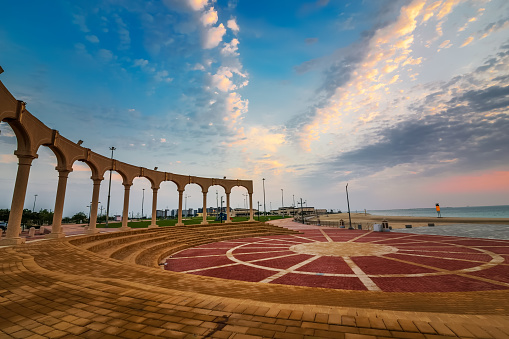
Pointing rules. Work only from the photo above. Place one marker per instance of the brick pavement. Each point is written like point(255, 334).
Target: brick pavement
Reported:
point(53, 289)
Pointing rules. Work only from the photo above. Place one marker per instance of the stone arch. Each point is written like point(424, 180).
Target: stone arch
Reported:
point(31, 133)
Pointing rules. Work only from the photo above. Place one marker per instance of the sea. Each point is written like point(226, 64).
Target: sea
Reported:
point(501, 211)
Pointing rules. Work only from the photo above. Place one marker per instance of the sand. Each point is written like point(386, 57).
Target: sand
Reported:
point(400, 222)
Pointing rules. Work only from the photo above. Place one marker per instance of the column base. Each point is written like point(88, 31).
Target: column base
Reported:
point(179, 224)
point(123, 229)
point(92, 231)
point(55, 235)
point(251, 220)
point(227, 221)
point(204, 223)
point(153, 226)
point(12, 241)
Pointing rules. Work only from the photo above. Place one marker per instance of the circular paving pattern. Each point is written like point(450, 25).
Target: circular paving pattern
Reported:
point(355, 260)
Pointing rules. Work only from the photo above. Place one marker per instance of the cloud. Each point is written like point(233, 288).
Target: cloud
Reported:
point(467, 41)
point(235, 107)
point(162, 76)
point(92, 38)
point(196, 5)
point(213, 36)
point(124, 36)
point(494, 27)
point(232, 24)
point(209, 18)
point(221, 80)
point(230, 49)
point(81, 22)
point(8, 159)
point(105, 55)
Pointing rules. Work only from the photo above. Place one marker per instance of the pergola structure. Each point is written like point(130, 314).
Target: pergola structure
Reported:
point(31, 134)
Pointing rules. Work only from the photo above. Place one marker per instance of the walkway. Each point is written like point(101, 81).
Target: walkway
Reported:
point(51, 289)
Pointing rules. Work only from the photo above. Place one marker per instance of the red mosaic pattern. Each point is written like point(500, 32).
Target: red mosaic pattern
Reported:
point(425, 263)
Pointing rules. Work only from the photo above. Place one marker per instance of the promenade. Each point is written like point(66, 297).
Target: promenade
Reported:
point(70, 288)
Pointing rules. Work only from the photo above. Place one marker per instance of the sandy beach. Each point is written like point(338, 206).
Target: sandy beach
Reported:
point(400, 221)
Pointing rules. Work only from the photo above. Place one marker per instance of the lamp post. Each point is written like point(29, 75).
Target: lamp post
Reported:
point(109, 188)
point(35, 199)
point(185, 204)
point(142, 202)
point(264, 208)
point(89, 208)
point(221, 211)
point(348, 203)
point(282, 204)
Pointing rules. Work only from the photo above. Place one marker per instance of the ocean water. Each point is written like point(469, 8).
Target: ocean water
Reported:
point(501, 211)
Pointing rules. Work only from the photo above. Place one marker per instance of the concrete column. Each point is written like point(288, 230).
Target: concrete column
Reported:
point(251, 212)
point(204, 222)
point(228, 208)
point(18, 200)
point(181, 197)
point(92, 227)
point(153, 224)
point(56, 227)
point(125, 212)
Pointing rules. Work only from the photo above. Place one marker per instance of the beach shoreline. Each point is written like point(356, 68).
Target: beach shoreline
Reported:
point(401, 221)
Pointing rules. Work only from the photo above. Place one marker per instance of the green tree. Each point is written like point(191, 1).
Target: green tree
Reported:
point(79, 217)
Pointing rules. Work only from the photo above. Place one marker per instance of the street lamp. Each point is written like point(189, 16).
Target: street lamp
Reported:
point(109, 188)
point(282, 204)
point(348, 202)
point(89, 209)
point(264, 209)
point(221, 211)
point(35, 199)
point(142, 202)
point(185, 206)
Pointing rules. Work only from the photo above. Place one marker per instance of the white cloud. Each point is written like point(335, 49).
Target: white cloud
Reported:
point(92, 38)
point(162, 76)
point(209, 17)
point(105, 55)
point(232, 24)
point(235, 107)
point(213, 36)
point(230, 48)
point(198, 67)
point(221, 80)
point(140, 63)
point(80, 21)
point(196, 5)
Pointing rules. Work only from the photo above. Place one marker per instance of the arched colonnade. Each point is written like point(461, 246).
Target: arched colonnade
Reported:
point(32, 133)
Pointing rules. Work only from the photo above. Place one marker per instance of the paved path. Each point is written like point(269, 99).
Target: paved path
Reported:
point(354, 260)
point(52, 289)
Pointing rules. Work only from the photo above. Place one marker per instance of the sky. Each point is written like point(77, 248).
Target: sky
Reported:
point(407, 102)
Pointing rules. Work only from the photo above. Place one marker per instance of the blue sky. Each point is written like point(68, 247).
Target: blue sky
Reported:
point(407, 101)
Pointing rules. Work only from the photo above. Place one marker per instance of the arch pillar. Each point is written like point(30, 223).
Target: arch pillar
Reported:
point(56, 227)
point(204, 222)
point(228, 207)
point(251, 213)
point(153, 224)
point(92, 227)
point(125, 212)
point(18, 200)
point(181, 197)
